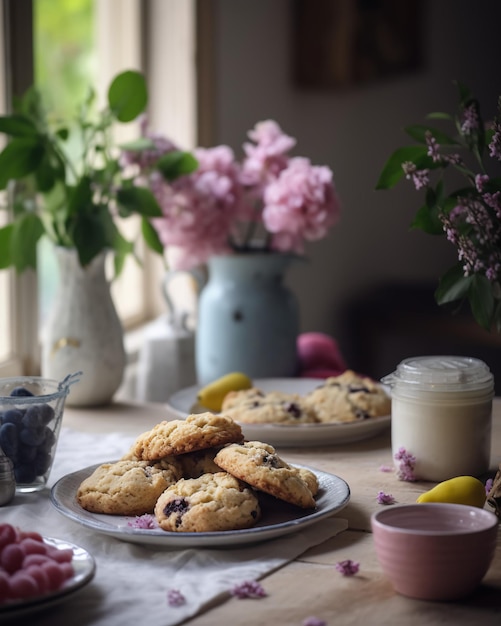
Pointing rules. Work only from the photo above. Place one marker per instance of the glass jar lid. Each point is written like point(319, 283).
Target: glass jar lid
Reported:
point(442, 373)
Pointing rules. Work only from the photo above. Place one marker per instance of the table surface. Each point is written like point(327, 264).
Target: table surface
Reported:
point(310, 585)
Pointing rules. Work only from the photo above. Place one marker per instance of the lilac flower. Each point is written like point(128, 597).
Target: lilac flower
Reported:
point(406, 465)
point(469, 122)
point(175, 598)
point(248, 589)
point(420, 178)
point(495, 144)
point(433, 147)
point(385, 498)
point(145, 521)
point(386, 468)
point(314, 621)
point(348, 567)
point(488, 485)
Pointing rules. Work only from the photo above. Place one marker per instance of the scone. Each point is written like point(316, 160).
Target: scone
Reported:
point(127, 487)
point(212, 502)
point(259, 465)
point(195, 464)
point(348, 398)
point(196, 432)
point(252, 406)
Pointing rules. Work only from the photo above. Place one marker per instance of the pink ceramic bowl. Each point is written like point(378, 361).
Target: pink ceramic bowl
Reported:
point(434, 551)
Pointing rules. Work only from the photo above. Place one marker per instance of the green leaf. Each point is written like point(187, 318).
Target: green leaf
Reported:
point(481, 300)
point(392, 170)
point(5, 246)
point(151, 237)
point(46, 175)
point(17, 126)
point(122, 249)
point(142, 143)
point(92, 233)
point(175, 164)
point(427, 220)
point(453, 285)
point(128, 95)
point(80, 197)
point(418, 132)
point(26, 232)
point(139, 200)
point(438, 115)
point(19, 158)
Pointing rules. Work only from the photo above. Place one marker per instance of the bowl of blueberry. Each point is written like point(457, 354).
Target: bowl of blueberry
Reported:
point(31, 412)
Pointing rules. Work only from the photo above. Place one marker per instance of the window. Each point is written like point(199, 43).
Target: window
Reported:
point(157, 36)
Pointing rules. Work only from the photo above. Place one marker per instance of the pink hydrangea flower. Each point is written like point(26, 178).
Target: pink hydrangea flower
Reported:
point(269, 201)
point(300, 204)
point(146, 521)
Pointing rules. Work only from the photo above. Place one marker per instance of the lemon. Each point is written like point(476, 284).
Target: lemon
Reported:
point(212, 395)
point(459, 490)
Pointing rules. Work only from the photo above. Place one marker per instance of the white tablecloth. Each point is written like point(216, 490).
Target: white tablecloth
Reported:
point(132, 581)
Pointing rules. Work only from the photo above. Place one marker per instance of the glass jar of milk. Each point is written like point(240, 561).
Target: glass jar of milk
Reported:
point(442, 415)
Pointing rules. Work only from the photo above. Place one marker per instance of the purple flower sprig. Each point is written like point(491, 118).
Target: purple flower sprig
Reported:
point(347, 567)
point(248, 589)
point(175, 598)
point(385, 498)
point(406, 465)
point(314, 621)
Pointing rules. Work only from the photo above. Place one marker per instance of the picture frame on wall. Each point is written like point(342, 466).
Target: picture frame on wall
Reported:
point(342, 43)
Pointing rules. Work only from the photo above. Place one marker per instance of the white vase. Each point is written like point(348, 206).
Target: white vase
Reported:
point(83, 332)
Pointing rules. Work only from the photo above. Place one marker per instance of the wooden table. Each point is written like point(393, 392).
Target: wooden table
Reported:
point(311, 585)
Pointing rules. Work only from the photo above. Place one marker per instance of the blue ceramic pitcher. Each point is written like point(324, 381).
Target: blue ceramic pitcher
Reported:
point(248, 319)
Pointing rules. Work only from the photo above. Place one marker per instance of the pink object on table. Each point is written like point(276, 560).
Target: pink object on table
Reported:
point(434, 551)
point(319, 356)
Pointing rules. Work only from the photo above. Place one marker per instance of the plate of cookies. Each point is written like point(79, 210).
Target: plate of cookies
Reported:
point(197, 482)
point(302, 412)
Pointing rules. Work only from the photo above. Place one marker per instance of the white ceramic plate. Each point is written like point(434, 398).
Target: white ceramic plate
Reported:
point(84, 567)
point(278, 518)
point(183, 402)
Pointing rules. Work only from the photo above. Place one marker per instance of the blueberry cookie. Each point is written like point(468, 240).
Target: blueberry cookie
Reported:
point(348, 398)
point(195, 464)
point(196, 432)
point(127, 487)
point(259, 465)
point(252, 406)
point(212, 502)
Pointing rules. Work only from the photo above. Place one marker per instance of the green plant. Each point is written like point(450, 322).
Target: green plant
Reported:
point(469, 216)
point(66, 181)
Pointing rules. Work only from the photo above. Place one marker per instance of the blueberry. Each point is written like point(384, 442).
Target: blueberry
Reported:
point(293, 409)
point(47, 413)
point(21, 392)
point(25, 473)
point(13, 416)
point(179, 506)
point(49, 440)
point(9, 440)
point(33, 417)
point(42, 462)
point(26, 454)
point(32, 436)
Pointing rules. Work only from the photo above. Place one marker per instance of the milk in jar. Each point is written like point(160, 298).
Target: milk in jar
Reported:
point(442, 415)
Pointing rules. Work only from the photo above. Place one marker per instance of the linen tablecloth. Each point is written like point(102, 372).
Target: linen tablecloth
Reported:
point(132, 581)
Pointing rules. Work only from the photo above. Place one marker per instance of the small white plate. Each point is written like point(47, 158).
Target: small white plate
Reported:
point(84, 569)
point(278, 517)
point(183, 402)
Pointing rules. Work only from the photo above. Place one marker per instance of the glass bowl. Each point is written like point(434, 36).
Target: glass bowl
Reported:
point(31, 412)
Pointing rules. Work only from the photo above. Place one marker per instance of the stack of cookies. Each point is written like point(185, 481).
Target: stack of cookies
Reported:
point(339, 399)
point(196, 475)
